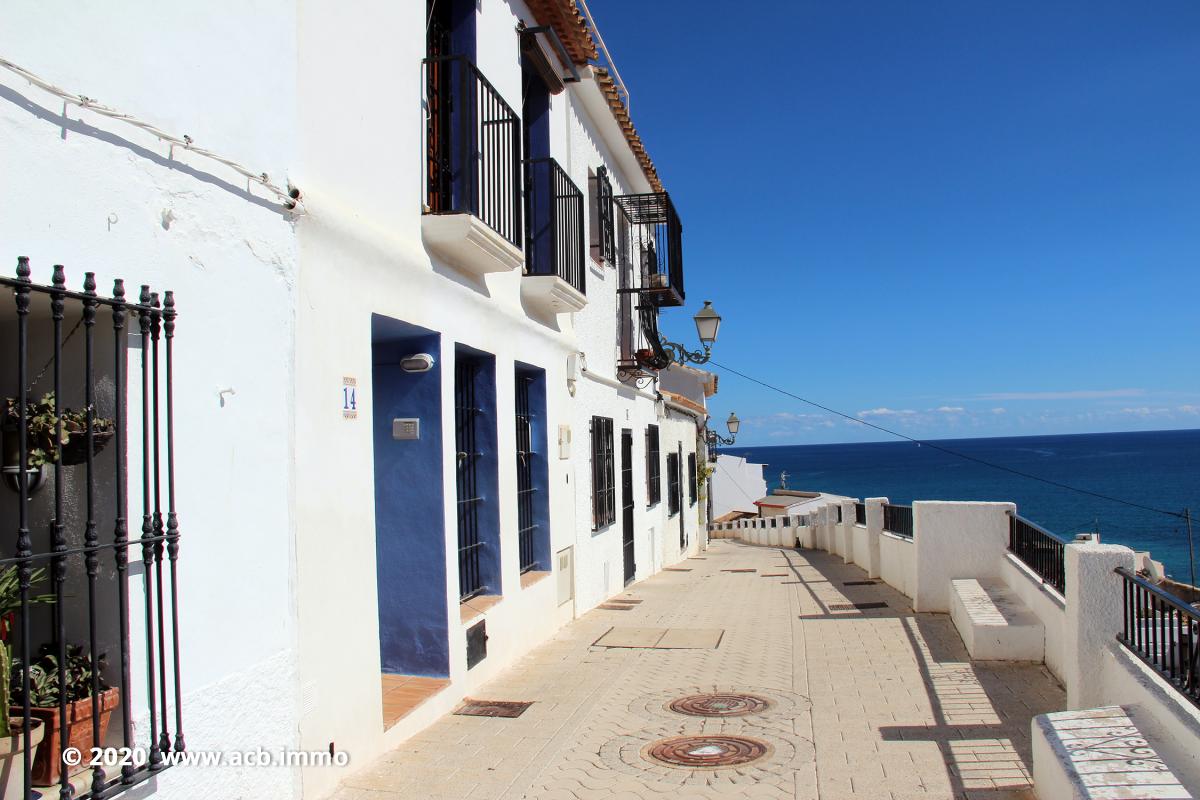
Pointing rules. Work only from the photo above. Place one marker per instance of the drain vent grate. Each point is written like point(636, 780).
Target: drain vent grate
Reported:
point(509, 709)
point(720, 704)
point(855, 606)
point(701, 752)
point(774, 574)
point(859, 583)
point(739, 570)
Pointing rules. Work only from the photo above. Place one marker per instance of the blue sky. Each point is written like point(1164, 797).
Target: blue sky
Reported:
point(951, 218)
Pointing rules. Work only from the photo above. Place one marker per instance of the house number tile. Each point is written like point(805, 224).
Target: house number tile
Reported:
point(349, 398)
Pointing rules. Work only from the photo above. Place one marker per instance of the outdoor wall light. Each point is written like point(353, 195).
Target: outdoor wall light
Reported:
point(708, 322)
point(417, 362)
point(733, 423)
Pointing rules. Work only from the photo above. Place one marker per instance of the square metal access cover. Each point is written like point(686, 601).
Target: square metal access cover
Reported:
point(509, 709)
point(855, 606)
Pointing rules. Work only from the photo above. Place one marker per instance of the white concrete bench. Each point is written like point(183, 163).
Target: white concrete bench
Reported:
point(1098, 754)
point(993, 622)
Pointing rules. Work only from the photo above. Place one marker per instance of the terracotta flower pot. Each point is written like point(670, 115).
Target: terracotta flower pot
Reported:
point(12, 764)
point(46, 764)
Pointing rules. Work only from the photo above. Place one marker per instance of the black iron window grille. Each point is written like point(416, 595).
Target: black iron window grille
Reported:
point(1162, 631)
point(1039, 549)
point(673, 493)
point(604, 245)
point(898, 520)
point(860, 514)
point(604, 486)
point(526, 525)
point(554, 234)
point(692, 477)
point(57, 435)
point(656, 247)
point(472, 147)
point(466, 443)
point(653, 469)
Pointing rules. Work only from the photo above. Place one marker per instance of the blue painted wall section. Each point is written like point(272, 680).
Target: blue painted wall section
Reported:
point(410, 532)
point(487, 465)
point(540, 442)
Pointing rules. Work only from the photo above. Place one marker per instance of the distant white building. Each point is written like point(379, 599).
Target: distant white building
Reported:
point(735, 484)
point(418, 422)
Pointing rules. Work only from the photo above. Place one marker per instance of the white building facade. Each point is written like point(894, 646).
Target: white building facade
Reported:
point(417, 425)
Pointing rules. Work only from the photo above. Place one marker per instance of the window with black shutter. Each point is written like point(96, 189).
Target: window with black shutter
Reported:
point(653, 479)
point(674, 496)
point(691, 479)
point(603, 235)
point(604, 484)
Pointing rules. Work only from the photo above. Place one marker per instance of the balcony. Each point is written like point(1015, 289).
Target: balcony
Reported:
point(656, 247)
point(472, 208)
point(554, 248)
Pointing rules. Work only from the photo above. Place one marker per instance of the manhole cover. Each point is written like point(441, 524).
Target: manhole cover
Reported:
point(699, 752)
point(492, 708)
point(722, 704)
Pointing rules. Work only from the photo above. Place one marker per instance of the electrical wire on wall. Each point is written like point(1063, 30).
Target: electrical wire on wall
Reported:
point(288, 197)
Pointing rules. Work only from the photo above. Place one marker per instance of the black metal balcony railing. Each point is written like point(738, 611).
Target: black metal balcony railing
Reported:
point(656, 244)
point(69, 580)
point(473, 147)
point(1163, 631)
point(898, 520)
point(1039, 549)
point(555, 236)
point(860, 513)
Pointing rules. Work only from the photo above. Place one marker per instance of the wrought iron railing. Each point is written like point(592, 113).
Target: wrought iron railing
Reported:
point(61, 549)
point(860, 513)
point(898, 520)
point(1163, 631)
point(472, 147)
point(656, 244)
point(555, 236)
point(1039, 549)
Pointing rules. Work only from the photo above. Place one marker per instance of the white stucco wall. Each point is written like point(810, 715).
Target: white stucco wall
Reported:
point(99, 195)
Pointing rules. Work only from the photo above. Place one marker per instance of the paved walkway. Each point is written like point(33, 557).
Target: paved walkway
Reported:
point(876, 703)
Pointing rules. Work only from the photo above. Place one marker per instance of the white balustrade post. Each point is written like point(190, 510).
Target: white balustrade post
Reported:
point(874, 531)
point(1094, 616)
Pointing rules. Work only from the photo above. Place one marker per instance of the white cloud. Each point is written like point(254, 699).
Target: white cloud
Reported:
point(1084, 394)
point(950, 409)
point(887, 412)
point(999, 411)
point(1145, 411)
point(1189, 409)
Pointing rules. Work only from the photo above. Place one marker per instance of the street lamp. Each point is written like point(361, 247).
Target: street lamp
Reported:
point(708, 322)
point(733, 423)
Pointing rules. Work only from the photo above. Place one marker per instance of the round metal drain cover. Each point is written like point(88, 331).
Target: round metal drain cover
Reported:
point(720, 704)
point(707, 751)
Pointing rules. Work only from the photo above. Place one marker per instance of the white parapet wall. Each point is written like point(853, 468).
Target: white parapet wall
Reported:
point(956, 540)
point(1047, 604)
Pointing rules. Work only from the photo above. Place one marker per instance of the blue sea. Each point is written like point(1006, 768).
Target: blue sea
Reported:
point(1160, 469)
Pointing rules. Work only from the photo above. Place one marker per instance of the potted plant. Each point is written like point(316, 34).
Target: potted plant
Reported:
point(41, 437)
point(44, 693)
point(12, 736)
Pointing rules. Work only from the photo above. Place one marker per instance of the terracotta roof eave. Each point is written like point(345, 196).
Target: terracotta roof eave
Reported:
point(569, 24)
point(621, 114)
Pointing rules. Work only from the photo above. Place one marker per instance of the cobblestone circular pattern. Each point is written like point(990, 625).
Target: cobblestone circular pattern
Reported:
point(707, 752)
point(719, 704)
